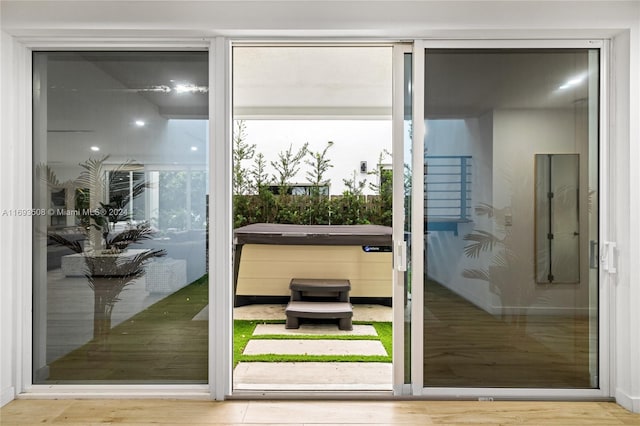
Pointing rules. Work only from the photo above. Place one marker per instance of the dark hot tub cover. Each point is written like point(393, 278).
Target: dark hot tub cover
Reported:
point(336, 235)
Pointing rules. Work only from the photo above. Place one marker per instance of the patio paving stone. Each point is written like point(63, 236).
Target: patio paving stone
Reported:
point(313, 375)
point(361, 312)
point(315, 329)
point(315, 347)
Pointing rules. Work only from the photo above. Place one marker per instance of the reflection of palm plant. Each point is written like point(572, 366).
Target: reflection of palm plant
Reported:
point(504, 272)
point(509, 275)
point(485, 241)
point(108, 276)
point(107, 271)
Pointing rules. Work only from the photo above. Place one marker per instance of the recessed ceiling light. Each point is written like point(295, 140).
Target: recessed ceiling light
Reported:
point(573, 82)
point(140, 123)
point(182, 88)
point(95, 148)
point(194, 148)
point(190, 88)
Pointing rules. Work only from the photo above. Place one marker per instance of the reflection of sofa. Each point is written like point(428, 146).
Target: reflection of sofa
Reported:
point(187, 245)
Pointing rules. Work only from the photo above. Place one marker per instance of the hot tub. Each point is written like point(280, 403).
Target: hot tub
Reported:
point(268, 256)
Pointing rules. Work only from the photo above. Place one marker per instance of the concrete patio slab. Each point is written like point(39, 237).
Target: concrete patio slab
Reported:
point(361, 312)
point(315, 329)
point(366, 312)
point(315, 347)
point(313, 376)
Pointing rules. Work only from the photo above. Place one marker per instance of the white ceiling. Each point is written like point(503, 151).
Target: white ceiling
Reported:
point(316, 82)
point(398, 19)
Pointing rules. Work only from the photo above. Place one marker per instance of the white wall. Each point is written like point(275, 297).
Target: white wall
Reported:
point(518, 136)
point(7, 314)
point(353, 141)
point(38, 21)
point(387, 18)
point(625, 228)
point(15, 190)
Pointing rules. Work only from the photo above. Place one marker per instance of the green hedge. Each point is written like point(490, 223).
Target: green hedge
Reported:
point(346, 209)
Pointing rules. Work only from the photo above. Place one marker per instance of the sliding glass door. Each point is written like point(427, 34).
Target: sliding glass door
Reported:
point(509, 194)
point(493, 268)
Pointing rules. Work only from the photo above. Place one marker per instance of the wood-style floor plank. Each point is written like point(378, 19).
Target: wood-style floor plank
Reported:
point(292, 413)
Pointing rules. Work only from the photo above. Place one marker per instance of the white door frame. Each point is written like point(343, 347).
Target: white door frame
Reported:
point(399, 246)
point(398, 385)
point(605, 280)
point(220, 236)
point(220, 220)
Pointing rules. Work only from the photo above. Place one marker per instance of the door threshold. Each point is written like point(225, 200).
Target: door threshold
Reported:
point(326, 394)
point(339, 387)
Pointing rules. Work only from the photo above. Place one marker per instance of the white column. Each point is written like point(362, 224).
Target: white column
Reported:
point(417, 219)
point(15, 194)
point(220, 224)
point(41, 199)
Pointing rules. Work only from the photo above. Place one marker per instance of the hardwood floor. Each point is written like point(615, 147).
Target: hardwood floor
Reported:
point(178, 412)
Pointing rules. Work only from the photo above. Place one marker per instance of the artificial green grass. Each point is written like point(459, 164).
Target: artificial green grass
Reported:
point(385, 333)
point(242, 333)
point(243, 330)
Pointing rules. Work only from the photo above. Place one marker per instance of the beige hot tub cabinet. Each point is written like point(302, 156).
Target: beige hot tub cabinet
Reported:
point(268, 256)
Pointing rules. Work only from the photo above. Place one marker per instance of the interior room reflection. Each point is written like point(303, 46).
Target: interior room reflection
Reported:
point(511, 207)
point(120, 153)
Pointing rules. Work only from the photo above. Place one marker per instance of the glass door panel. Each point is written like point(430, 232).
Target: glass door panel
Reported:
point(120, 275)
point(510, 212)
point(313, 173)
